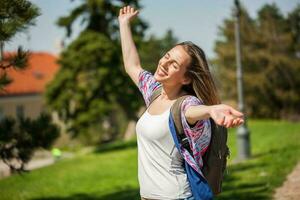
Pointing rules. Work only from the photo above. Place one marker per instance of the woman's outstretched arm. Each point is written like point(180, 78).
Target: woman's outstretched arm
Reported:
point(222, 114)
point(130, 55)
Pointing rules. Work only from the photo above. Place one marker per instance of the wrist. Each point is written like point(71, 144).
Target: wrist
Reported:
point(124, 22)
point(209, 111)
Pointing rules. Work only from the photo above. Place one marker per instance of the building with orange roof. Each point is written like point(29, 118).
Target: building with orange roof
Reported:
point(24, 96)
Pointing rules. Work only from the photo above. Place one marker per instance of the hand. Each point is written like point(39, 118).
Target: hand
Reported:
point(225, 115)
point(127, 13)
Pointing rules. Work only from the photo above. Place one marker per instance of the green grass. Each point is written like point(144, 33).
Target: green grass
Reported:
point(275, 151)
point(111, 172)
point(109, 175)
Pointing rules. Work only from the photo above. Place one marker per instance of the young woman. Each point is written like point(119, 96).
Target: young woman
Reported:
point(182, 70)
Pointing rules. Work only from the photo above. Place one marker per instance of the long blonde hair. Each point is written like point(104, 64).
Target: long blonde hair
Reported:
point(202, 84)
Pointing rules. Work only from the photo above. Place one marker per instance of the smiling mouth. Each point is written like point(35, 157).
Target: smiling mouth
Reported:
point(162, 72)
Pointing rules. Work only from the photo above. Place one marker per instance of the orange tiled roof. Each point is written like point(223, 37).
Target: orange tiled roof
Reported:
point(41, 69)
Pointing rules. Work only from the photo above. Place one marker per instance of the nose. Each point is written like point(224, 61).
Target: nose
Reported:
point(165, 63)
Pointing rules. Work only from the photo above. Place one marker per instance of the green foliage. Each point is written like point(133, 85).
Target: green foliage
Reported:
point(101, 16)
point(92, 92)
point(4, 80)
point(20, 138)
point(16, 60)
point(15, 17)
point(293, 21)
point(270, 63)
point(89, 89)
point(111, 173)
point(90, 83)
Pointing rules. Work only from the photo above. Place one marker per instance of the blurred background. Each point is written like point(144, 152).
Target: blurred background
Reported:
point(68, 109)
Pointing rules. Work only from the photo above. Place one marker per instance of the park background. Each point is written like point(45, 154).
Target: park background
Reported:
point(97, 105)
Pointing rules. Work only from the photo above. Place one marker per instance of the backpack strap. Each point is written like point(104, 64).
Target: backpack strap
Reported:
point(176, 114)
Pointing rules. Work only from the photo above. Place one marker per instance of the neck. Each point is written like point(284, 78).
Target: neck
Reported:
point(171, 92)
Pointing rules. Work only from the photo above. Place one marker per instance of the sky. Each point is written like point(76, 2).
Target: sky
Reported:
point(194, 20)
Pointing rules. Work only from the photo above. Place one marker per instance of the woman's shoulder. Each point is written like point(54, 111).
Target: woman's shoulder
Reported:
point(147, 85)
point(191, 100)
point(146, 76)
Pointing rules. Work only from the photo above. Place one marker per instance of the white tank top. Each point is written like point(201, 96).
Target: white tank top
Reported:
point(160, 166)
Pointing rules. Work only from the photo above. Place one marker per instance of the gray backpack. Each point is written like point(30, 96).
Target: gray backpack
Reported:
point(215, 157)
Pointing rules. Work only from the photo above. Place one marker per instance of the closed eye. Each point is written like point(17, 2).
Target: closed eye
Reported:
point(173, 60)
point(167, 55)
point(175, 65)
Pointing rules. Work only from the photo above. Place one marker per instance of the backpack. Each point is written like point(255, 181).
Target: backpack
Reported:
point(215, 157)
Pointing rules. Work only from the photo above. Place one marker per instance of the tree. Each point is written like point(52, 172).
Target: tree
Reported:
point(20, 137)
point(92, 93)
point(294, 25)
point(271, 69)
point(15, 16)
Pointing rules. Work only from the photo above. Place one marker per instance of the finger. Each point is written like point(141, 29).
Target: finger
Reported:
point(229, 123)
point(221, 120)
point(241, 121)
point(121, 11)
point(238, 121)
point(236, 113)
point(131, 10)
point(135, 13)
point(229, 120)
point(128, 9)
point(225, 121)
point(234, 122)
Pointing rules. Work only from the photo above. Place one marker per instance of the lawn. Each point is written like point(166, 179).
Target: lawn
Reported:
point(275, 151)
point(110, 173)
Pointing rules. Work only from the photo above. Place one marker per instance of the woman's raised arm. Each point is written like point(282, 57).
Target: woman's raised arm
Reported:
point(130, 55)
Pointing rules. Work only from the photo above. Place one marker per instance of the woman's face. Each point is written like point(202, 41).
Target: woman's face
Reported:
point(172, 67)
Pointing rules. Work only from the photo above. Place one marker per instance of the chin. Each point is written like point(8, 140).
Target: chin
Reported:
point(157, 77)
